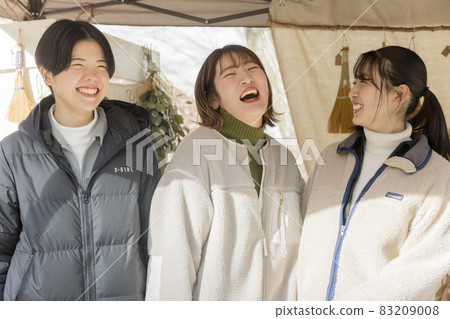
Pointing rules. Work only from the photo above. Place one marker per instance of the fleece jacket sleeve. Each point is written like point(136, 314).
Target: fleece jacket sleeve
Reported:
point(416, 273)
point(180, 219)
point(10, 225)
point(307, 191)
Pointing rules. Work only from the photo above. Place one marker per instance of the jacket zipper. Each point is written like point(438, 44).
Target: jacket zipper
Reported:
point(263, 234)
point(341, 233)
point(88, 247)
point(279, 216)
point(343, 227)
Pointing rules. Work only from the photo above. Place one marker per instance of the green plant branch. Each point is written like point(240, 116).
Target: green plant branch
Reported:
point(164, 117)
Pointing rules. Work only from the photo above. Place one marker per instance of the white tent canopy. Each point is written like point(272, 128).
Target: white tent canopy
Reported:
point(144, 12)
point(382, 14)
point(315, 13)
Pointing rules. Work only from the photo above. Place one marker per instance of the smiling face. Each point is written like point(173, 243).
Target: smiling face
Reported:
point(80, 88)
point(374, 108)
point(242, 89)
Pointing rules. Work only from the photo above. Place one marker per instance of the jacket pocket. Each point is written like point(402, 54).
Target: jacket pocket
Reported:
point(25, 277)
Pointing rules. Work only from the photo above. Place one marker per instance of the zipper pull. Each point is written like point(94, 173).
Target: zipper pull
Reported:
point(264, 243)
point(342, 230)
point(85, 198)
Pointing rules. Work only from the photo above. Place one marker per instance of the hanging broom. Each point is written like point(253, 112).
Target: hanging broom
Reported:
point(341, 116)
point(21, 104)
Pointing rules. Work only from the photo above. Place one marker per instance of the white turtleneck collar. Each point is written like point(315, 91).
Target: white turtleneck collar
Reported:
point(385, 143)
point(77, 138)
point(377, 149)
point(84, 130)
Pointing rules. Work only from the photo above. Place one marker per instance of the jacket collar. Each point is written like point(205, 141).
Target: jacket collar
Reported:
point(124, 120)
point(416, 156)
point(37, 125)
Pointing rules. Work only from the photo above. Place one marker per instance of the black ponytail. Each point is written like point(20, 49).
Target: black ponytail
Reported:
point(430, 120)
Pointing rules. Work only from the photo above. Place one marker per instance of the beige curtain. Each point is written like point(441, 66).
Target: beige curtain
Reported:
point(311, 79)
point(261, 42)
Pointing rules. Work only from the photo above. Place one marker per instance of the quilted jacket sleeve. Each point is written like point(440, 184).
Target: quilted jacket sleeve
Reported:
point(9, 219)
point(149, 182)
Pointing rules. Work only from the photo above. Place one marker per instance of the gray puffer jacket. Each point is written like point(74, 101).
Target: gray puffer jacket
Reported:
point(58, 242)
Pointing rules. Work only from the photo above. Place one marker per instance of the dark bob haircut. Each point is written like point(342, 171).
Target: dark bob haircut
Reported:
point(54, 50)
point(206, 94)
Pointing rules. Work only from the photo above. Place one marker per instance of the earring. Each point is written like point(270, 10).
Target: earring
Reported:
point(215, 106)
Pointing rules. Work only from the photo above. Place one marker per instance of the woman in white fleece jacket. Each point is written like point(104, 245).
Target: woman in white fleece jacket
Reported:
point(377, 223)
point(225, 218)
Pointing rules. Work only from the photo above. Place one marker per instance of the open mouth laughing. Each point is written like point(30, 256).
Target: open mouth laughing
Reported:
point(249, 95)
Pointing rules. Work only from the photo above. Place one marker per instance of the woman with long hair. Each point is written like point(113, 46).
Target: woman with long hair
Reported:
point(377, 214)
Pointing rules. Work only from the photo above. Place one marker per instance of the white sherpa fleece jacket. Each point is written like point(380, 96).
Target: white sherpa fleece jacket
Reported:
point(395, 244)
point(211, 236)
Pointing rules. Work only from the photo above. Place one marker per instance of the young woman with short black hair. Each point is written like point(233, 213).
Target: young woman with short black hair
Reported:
point(73, 213)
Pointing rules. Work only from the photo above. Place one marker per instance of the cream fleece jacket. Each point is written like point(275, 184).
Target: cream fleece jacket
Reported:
point(211, 236)
point(395, 244)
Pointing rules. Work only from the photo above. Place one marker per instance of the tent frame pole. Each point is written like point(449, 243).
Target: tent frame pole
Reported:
point(38, 10)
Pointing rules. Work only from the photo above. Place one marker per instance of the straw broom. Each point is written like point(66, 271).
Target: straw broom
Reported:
point(21, 104)
point(341, 116)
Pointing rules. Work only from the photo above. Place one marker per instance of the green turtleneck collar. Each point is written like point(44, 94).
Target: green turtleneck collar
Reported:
point(237, 130)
